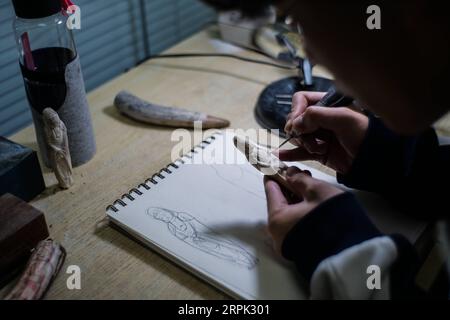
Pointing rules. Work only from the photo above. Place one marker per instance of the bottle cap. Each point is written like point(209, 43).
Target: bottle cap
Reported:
point(35, 9)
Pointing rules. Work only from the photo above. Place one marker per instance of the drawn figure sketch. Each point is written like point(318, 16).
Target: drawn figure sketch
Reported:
point(58, 148)
point(192, 232)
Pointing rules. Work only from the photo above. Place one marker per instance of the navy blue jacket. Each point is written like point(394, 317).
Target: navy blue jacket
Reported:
point(411, 172)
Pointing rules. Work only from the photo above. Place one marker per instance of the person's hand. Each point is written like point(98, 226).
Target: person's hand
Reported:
point(331, 136)
point(283, 216)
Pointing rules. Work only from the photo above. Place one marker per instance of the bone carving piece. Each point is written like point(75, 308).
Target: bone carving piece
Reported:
point(58, 148)
point(263, 160)
point(43, 266)
point(143, 111)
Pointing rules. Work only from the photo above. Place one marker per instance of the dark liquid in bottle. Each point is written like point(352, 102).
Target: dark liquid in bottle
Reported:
point(46, 85)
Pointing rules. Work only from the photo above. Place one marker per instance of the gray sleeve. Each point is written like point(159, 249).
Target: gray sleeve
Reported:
point(359, 272)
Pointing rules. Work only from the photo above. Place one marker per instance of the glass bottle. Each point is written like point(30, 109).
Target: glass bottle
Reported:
point(52, 74)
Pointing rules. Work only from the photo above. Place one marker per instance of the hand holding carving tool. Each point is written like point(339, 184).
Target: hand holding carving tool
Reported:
point(332, 99)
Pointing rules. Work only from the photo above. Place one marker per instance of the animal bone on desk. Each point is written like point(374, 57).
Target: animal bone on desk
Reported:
point(42, 268)
point(263, 160)
point(143, 111)
point(58, 148)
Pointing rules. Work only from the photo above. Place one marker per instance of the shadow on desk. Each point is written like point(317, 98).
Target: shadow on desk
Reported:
point(50, 191)
point(136, 248)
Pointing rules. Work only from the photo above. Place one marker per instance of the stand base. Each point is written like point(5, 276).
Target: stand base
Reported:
point(272, 115)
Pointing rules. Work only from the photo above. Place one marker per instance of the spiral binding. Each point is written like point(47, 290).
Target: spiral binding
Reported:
point(135, 192)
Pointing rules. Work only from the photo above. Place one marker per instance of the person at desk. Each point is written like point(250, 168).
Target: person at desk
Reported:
point(400, 73)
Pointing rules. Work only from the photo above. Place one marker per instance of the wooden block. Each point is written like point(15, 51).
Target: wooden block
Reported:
point(22, 227)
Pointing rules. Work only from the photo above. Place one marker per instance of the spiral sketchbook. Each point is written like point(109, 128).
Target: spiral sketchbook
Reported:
point(210, 218)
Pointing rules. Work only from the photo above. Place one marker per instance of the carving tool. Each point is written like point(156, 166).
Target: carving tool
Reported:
point(332, 99)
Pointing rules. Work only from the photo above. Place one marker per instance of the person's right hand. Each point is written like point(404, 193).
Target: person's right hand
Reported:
point(331, 136)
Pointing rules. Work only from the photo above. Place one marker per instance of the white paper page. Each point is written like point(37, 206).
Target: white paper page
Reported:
point(212, 220)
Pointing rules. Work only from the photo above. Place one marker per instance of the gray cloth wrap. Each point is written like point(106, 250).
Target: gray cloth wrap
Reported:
point(76, 116)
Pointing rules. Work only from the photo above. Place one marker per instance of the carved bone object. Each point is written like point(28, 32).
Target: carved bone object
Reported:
point(42, 268)
point(58, 148)
point(263, 160)
point(143, 111)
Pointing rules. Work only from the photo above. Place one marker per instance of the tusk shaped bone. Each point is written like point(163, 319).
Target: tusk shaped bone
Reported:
point(143, 111)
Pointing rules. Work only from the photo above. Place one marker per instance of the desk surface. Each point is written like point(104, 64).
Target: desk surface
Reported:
point(114, 266)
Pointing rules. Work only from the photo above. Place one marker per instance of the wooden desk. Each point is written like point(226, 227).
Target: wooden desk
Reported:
point(114, 266)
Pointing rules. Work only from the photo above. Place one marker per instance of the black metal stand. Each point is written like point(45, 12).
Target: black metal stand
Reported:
point(270, 114)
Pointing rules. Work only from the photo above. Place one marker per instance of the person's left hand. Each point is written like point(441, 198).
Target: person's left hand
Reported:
point(283, 216)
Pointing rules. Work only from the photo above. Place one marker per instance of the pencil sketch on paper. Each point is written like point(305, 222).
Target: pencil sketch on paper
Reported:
point(241, 176)
point(194, 233)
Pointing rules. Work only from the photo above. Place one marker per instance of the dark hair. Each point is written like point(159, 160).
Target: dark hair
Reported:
point(247, 7)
